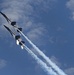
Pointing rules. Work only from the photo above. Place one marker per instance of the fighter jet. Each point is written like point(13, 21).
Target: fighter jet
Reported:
point(16, 37)
point(13, 23)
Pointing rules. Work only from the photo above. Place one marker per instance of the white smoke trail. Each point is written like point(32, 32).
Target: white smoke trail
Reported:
point(41, 63)
point(53, 65)
point(15, 8)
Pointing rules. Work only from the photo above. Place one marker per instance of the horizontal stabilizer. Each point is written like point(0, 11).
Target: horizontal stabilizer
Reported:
point(13, 23)
point(19, 29)
point(17, 37)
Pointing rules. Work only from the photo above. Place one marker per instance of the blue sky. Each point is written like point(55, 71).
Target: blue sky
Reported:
point(47, 23)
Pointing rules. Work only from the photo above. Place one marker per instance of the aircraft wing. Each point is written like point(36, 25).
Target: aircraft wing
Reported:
point(16, 37)
point(9, 30)
point(8, 20)
point(13, 23)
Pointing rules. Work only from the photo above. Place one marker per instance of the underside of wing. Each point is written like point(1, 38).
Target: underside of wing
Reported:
point(8, 20)
point(9, 30)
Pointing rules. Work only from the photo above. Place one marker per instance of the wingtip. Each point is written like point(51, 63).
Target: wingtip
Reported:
point(1, 12)
point(5, 26)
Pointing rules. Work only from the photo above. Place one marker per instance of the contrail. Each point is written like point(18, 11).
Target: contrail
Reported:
point(53, 65)
point(18, 6)
point(41, 63)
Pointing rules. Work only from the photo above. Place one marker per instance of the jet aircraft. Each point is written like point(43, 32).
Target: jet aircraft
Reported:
point(16, 37)
point(13, 23)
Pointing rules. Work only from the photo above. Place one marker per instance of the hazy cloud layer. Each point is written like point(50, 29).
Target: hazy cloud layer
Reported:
point(70, 6)
point(70, 71)
point(3, 63)
point(55, 60)
point(22, 10)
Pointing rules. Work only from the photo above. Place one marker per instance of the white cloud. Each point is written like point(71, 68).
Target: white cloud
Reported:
point(70, 71)
point(3, 63)
point(35, 33)
point(22, 10)
point(44, 5)
point(70, 5)
point(55, 60)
